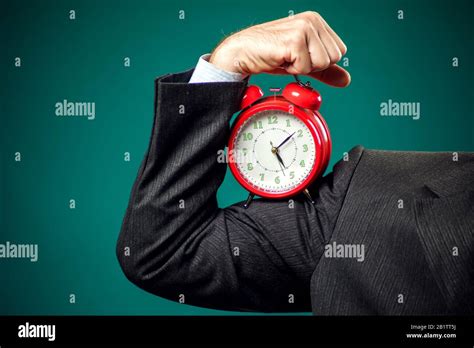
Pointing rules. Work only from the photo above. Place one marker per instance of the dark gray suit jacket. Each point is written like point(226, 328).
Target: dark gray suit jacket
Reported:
point(412, 211)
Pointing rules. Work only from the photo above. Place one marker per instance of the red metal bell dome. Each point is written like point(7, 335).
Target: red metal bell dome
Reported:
point(303, 96)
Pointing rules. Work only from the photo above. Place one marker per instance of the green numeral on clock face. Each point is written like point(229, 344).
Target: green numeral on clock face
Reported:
point(272, 119)
point(292, 175)
point(302, 163)
point(249, 166)
point(300, 133)
point(288, 123)
point(305, 148)
point(277, 180)
point(258, 125)
point(262, 176)
point(248, 136)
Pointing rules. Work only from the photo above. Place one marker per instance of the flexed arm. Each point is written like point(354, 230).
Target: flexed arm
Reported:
point(181, 243)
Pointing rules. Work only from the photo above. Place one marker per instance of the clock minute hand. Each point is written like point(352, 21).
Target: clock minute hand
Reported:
point(284, 141)
point(282, 169)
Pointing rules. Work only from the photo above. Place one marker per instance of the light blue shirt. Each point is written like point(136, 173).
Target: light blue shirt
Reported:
point(207, 72)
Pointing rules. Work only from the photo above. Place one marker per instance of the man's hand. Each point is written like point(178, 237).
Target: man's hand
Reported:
point(302, 44)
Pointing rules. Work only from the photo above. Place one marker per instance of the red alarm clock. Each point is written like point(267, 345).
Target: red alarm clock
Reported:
point(279, 144)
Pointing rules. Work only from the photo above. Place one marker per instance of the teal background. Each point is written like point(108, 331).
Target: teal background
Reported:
point(82, 60)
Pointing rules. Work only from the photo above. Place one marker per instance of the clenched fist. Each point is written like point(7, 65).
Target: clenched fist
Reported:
point(302, 44)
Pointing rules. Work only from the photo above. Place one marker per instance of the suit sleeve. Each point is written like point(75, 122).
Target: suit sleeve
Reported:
point(177, 243)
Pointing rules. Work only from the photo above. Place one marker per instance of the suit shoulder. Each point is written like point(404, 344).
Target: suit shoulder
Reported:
point(398, 172)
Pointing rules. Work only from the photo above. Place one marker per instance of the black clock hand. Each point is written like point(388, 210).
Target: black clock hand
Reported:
point(284, 141)
point(280, 161)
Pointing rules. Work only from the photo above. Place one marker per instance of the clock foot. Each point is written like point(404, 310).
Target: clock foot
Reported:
point(306, 193)
point(249, 200)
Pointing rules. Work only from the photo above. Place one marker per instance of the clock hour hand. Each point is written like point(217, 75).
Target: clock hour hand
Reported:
point(284, 141)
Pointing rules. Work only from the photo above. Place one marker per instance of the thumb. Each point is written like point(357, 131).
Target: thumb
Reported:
point(334, 75)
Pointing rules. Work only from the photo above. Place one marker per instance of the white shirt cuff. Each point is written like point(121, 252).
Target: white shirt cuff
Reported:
point(207, 72)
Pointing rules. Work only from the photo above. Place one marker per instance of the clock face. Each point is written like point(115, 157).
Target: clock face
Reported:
point(274, 151)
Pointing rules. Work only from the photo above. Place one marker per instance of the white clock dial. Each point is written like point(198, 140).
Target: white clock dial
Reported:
point(264, 161)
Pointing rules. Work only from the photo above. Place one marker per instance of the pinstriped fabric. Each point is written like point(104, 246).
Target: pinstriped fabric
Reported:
point(257, 259)
point(453, 275)
point(192, 251)
point(408, 232)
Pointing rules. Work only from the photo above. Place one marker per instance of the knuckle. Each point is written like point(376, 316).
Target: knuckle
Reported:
point(297, 40)
point(312, 15)
point(302, 23)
